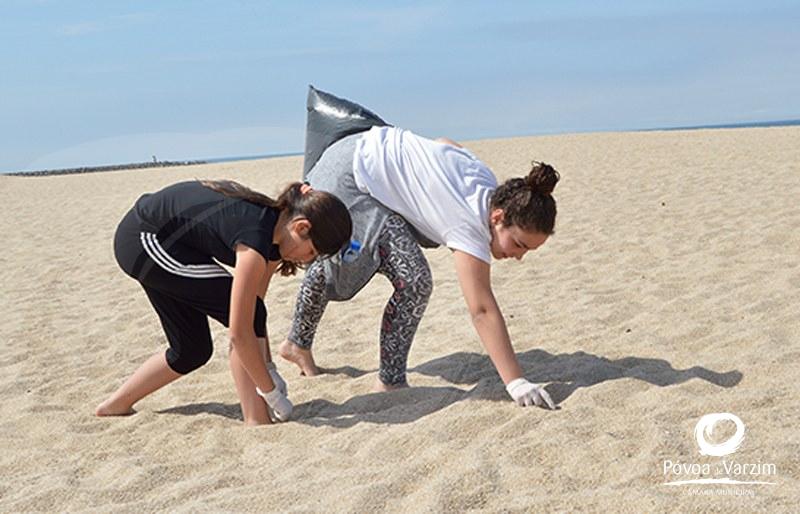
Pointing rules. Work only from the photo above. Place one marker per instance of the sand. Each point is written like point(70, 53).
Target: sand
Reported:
point(670, 291)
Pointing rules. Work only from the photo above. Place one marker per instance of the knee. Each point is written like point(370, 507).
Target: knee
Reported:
point(423, 282)
point(426, 285)
point(186, 361)
point(417, 284)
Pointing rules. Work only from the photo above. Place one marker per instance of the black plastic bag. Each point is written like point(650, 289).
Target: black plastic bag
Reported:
point(329, 119)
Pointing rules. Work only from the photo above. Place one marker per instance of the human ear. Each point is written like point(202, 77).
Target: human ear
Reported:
point(497, 216)
point(301, 227)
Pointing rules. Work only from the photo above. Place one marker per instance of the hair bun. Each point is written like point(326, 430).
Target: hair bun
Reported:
point(543, 178)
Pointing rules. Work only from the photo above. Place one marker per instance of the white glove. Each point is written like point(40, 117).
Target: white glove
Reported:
point(526, 394)
point(278, 403)
point(277, 379)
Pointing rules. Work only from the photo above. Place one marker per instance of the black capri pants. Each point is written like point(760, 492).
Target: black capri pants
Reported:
point(185, 287)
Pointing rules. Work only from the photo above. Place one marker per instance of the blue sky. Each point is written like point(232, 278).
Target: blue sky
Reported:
point(87, 83)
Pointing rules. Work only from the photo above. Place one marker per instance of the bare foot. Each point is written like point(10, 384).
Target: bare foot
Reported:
point(380, 387)
point(108, 409)
point(300, 356)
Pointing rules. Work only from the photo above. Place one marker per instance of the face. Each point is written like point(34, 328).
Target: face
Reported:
point(296, 245)
point(512, 241)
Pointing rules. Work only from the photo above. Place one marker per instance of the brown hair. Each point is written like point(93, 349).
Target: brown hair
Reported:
point(330, 221)
point(527, 201)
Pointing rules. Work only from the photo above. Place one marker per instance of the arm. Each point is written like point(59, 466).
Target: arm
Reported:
point(264, 345)
point(250, 277)
point(448, 141)
point(474, 277)
point(271, 267)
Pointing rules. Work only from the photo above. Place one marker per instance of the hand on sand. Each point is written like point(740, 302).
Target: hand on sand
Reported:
point(526, 394)
point(278, 402)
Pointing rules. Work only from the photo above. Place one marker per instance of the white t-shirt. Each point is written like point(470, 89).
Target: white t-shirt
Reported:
point(442, 190)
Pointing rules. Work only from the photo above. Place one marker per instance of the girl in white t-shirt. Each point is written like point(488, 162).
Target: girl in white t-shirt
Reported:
point(405, 188)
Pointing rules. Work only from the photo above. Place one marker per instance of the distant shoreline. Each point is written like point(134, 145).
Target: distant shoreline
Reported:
point(161, 164)
point(750, 124)
point(140, 165)
point(108, 167)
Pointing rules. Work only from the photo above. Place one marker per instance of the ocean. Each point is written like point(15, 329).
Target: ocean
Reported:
point(147, 164)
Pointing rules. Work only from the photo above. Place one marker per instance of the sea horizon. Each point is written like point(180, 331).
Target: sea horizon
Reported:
point(216, 160)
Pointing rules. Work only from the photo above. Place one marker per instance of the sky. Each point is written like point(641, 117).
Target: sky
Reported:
point(91, 83)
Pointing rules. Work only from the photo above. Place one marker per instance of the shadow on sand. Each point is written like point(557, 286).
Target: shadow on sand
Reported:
point(226, 410)
point(564, 373)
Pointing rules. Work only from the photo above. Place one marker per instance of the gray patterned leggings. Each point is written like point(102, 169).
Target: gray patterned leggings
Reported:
point(403, 263)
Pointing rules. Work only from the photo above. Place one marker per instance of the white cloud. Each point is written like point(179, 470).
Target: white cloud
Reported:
point(111, 23)
point(396, 20)
point(81, 29)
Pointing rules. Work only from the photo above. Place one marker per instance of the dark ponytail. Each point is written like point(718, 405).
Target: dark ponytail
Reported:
point(330, 221)
point(528, 202)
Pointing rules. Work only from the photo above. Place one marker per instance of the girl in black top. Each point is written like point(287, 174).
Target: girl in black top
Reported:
point(172, 242)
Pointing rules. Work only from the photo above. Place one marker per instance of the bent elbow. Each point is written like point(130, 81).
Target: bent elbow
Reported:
point(237, 339)
point(478, 314)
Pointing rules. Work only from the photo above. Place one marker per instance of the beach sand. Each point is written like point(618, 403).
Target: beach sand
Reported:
point(669, 291)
